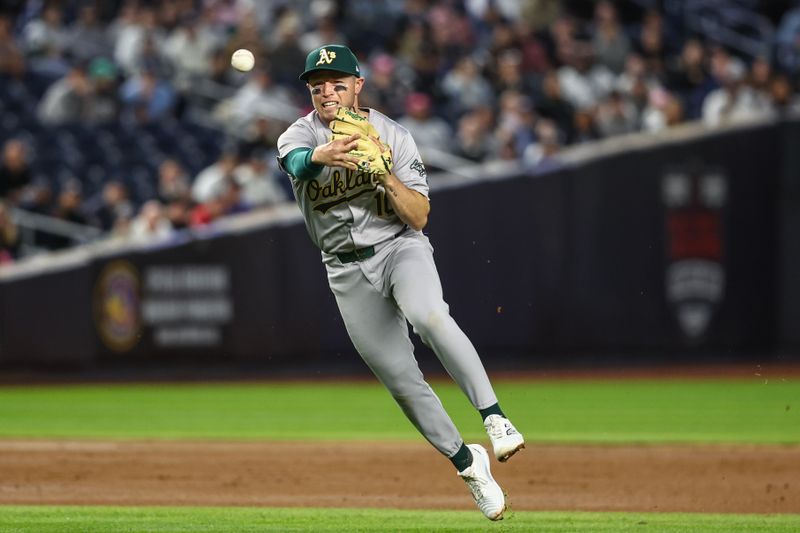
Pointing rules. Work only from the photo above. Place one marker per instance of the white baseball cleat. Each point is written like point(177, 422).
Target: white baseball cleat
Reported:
point(485, 490)
point(506, 440)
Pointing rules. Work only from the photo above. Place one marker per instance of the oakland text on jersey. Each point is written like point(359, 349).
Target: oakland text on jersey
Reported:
point(337, 189)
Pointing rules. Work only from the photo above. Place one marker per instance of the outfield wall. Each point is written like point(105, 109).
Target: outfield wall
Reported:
point(681, 245)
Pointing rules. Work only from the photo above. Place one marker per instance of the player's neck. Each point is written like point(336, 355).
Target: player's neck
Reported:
point(364, 112)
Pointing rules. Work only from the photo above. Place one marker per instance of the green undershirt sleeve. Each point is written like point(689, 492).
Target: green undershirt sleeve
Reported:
point(298, 164)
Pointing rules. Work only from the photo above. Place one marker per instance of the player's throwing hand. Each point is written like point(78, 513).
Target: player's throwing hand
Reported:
point(336, 153)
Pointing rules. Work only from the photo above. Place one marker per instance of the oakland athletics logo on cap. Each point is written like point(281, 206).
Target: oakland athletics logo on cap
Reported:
point(326, 57)
point(336, 57)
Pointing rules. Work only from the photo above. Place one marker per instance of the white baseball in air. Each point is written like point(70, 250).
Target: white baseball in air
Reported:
point(243, 60)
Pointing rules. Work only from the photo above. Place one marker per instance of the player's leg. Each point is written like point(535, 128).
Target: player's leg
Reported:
point(379, 333)
point(418, 291)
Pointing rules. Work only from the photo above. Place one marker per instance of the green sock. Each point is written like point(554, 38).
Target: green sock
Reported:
point(462, 459)
point(492, 410)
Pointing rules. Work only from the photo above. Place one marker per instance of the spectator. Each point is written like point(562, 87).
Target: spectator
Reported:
point(225, 199)
point(663, 110)
point(534, 54)
point(247, 35)
point(494, 9)
point(635, 76)
point(262, 134)
point(15, 172)
point(260, 96)
point(104, 103)
point(46, 41)
point(12, 62)
point(69, 203)
point(553, 106)
point(173, 182)
point(112, 208)
point(258, 182)
point(388, 85)
point(504, 40)
point(429, 131)
point(146, 98)
point(135, 30)
point(151, 223)
point(616, 116)
point(220, 72)
point(543, 152)
point(639, 95)
point(465, 87)
point(759, 77)
point(9, 236)
point(207, 183)
point(609, 41)
point(412, 40)
point(325, 31)
point(652, 43)
point(426, 68)
point(451, 31)
point(38, 198)
point(286, 52)
point(68, 209)
point(473, 137)
point(782, 100)
point(688, 78)
point(179, 213)
point(583, 83)
point(734, 100)
point(87, 38)
point(175, 193)
point(151, 58)
point(539, 14)
point(225, 14)
point(509, 75)
point(189, 48)
point(585, 129)
point(68, 99)
point(559, 39)
point(205, 92)
point(515, 124)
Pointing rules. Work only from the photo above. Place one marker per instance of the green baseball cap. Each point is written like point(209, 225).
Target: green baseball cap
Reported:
point(331, 57)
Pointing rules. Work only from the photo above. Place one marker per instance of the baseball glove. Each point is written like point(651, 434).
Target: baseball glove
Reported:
point(374, 156)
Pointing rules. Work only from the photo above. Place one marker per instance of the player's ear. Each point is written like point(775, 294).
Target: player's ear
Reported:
point(358, 85)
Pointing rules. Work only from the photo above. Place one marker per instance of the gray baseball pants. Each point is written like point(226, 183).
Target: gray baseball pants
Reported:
point(375, 297)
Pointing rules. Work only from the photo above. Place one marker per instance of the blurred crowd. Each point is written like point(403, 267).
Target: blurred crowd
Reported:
point(473, 80)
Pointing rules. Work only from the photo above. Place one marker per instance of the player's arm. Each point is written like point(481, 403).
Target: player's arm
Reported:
point(411, 206)
point(307, 163)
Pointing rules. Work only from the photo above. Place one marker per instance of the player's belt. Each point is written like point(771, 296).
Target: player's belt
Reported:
point(356, 255)
point(360, 254)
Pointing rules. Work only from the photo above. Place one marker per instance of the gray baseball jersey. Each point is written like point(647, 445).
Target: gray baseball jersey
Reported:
point(346, 210)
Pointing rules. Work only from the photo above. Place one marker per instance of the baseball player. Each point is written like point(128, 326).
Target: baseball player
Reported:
point(362, 187)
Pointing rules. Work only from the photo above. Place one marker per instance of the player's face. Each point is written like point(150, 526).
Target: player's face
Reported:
point(331, 90)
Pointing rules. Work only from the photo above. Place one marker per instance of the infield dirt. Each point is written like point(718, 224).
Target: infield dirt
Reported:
point(740, 479)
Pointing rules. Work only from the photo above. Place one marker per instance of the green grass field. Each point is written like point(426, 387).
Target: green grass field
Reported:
point(571, 411)
point(243, 520)
point(733, 411)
